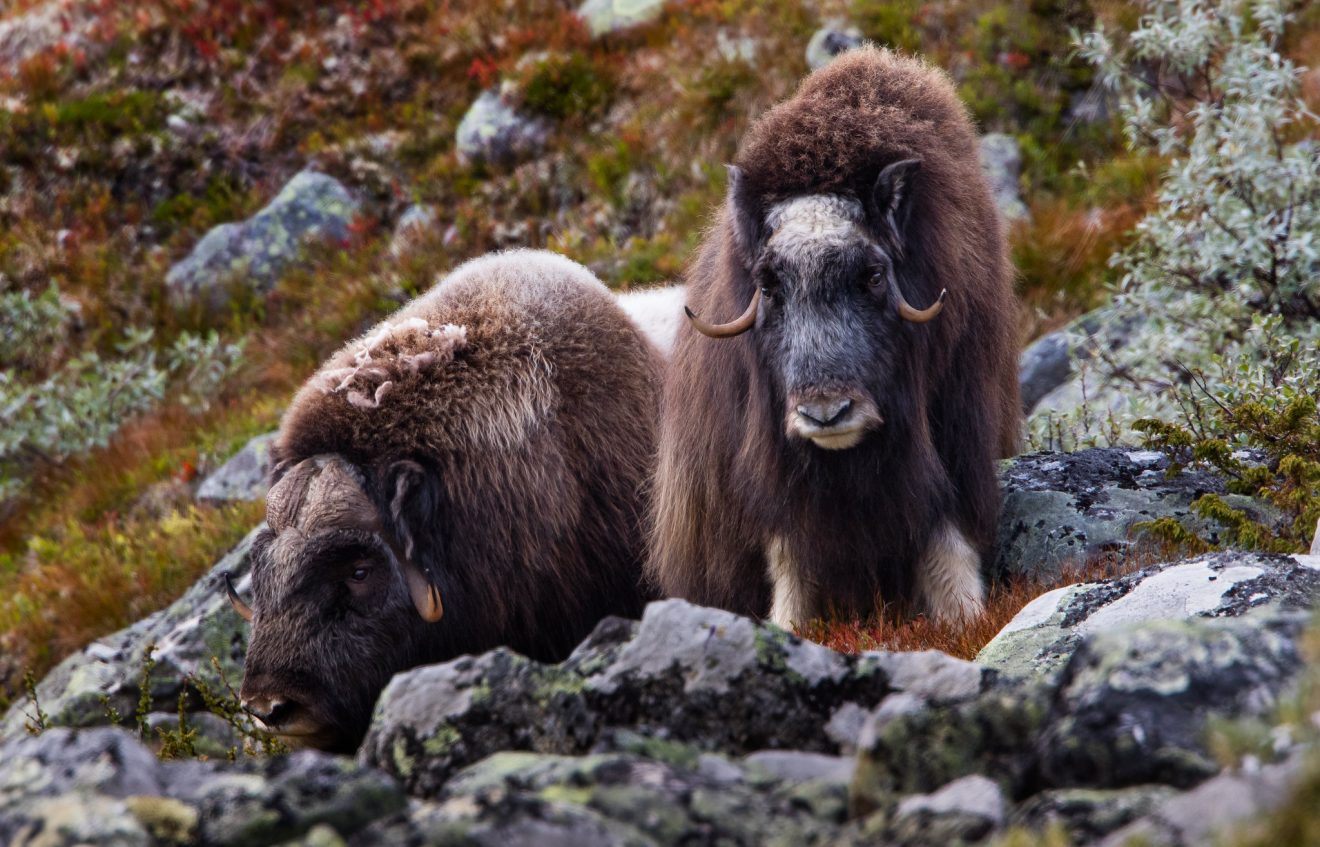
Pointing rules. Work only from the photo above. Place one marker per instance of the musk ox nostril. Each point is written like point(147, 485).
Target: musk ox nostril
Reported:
point(272, 712)
point(825, 412)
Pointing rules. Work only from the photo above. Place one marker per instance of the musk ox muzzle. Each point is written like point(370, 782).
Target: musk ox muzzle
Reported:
point(831, 420)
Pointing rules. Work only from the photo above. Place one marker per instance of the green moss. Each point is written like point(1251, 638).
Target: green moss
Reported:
point(566, 86)
point(891, 23)
point(446, 735)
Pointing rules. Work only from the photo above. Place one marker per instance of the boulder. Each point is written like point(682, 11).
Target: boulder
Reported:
point(689, 674)
point(245, 476)
point(415, 224)
point(1132, 709)
point(493, 132)
point(1062, 510)
point(102, 786)
point(255, 252)
point(604, 17)
point(1044, 635)
point(105, 678)
point(835, 37)
point(1001, 162)
point(966, 810)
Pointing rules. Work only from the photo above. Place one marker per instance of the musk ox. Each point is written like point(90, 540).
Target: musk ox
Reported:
point(467, 474)
point(834, 446)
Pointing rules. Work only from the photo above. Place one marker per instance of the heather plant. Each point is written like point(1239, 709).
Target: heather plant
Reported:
point(53, 413)
point(1226, 267)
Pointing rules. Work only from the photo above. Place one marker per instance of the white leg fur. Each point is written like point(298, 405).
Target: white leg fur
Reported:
point(949, 578)
point(789, 605)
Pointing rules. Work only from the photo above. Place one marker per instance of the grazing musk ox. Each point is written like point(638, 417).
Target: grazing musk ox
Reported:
point(835, 444)
point(468, 474)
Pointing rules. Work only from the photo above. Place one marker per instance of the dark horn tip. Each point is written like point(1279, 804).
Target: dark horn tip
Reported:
point(691, 315)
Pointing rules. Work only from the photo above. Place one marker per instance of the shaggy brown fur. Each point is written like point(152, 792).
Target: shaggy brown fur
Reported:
point(496, 433)
point(854, 523)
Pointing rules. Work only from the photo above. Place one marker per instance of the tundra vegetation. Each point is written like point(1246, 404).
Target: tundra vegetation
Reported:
point(134, 128)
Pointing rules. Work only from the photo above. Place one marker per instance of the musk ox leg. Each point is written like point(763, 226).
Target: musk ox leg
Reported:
point(949, 582)
point(791, 602)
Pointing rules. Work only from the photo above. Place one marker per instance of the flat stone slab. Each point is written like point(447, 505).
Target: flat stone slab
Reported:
point(1043, 636)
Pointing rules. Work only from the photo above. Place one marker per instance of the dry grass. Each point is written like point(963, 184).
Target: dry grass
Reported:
point(893, 630)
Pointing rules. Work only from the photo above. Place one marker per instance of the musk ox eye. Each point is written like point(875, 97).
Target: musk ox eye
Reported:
point(360, 574)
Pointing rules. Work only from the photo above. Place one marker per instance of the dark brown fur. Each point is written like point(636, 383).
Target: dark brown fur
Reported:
point(859, 520)
point(534, 436)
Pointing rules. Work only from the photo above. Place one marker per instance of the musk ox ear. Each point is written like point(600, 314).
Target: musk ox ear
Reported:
point(891, 197)
point(412, 502)
point(745, 214)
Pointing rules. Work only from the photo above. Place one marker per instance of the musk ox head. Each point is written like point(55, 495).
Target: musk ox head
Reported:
point(828, 307)
point(339, 603)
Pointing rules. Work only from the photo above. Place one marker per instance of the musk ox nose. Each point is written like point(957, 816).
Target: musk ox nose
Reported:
point(272, 711)
point(825, 411)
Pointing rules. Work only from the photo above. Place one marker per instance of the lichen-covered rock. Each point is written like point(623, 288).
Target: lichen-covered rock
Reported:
point(255, 252)
point(1135, 702)
point(102, 786)
point(1043, 636)
point(1061, 509)
point(414, 225)
point(1088, 814)
point(245, 476)
point(608, 16)
point(835, 37)
point(1213, 808)
point(685, 673)
point(618, 799)
point(1001, 162)
point(106, 675)
point(494, 132)
point(964, 811)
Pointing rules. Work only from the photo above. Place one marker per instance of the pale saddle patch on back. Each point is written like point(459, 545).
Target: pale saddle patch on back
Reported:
point(949, 583)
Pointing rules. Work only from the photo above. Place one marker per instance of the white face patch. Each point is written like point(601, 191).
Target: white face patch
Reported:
point(805, 230)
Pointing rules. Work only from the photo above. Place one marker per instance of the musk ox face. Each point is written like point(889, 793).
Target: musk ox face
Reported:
point(339, 607)
point(828, 307)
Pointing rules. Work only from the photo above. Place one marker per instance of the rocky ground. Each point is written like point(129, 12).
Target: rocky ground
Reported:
point(1132, 706)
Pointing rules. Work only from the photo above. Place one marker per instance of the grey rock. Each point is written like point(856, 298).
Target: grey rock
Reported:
point(1062, 509)
point(1044, 365)
point(967, 809)
point(835, 37)
point(106, 675)
point(245, 476)
point(686, 674)
point(1001, 162)
point(611, 799)
point(1089, 814)
point(415, 224)
point(131, 798)
point(494, 132)
point(797, 766)
point(604, 17)
point(1196, 817)
point(1044, 634)
point(257, 251)
point(1135, 702)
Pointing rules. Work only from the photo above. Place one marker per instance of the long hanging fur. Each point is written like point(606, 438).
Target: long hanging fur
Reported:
point(731, 497)
point(526, 402)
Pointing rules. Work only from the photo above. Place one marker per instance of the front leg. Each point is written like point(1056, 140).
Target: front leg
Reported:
point(791, 597)
point(949, 583)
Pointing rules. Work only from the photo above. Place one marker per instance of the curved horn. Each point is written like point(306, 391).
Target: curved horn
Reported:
point(425, 596)
point(243, 609)
point(918, 316)
point(737, 326)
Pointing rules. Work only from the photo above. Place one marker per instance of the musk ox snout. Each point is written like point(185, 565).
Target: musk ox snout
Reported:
point(831, 420)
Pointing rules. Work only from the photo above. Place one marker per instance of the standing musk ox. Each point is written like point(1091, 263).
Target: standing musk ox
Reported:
point(834, 446)
point(468, 474)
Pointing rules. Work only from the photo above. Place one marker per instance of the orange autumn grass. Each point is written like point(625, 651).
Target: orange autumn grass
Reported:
point(892, 630)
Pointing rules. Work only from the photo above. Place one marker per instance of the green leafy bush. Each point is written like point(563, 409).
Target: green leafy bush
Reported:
point(1224, 272)
point(53, 413)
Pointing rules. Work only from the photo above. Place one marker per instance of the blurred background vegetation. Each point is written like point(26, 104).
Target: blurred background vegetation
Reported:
point(131, 129)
